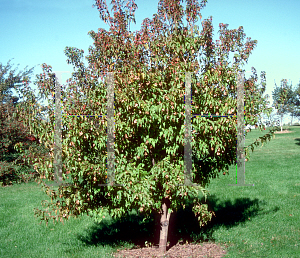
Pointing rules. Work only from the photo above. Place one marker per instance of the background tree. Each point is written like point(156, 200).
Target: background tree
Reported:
point(297, 107)
point(294, 103)
point(12, 130)
point(283, 98)
point(149, 74)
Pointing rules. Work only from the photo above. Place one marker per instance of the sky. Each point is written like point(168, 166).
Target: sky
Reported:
point(34, 32)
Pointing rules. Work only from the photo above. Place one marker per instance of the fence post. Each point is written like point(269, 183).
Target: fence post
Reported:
point(110, 131)
point(240, 156)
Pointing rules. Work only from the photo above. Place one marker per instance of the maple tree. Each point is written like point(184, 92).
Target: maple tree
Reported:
point(149, 70)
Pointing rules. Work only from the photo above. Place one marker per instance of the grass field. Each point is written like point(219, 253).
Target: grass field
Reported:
point(254, 221)
point(262, 220)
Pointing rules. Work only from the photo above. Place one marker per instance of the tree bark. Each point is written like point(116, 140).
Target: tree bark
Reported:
point(164, 223)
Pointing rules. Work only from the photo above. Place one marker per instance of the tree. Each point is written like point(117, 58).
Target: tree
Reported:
point(12, 130)
point(283, 97)
point(149, 75)
point(297, 102)
point(294, 103)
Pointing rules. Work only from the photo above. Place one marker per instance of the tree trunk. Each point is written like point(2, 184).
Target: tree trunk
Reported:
point(164, 222)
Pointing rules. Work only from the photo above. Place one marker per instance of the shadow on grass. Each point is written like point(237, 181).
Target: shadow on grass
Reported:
point(297, 141)
point(183, 224)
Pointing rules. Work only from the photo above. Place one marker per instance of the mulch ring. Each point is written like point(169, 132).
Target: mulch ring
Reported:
point(283, 131)
point(191, 250)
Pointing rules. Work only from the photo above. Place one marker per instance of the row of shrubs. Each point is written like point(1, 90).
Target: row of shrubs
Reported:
point(13, 165)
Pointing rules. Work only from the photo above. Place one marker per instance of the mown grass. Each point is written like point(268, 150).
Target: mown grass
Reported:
point(254, 221)
point(261, 220)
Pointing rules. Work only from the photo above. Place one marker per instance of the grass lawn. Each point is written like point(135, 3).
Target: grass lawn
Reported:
point(254, 221)
point(261, 220)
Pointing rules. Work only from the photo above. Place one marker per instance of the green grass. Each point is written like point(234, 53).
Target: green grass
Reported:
point(261, 220)
point(255, 221)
